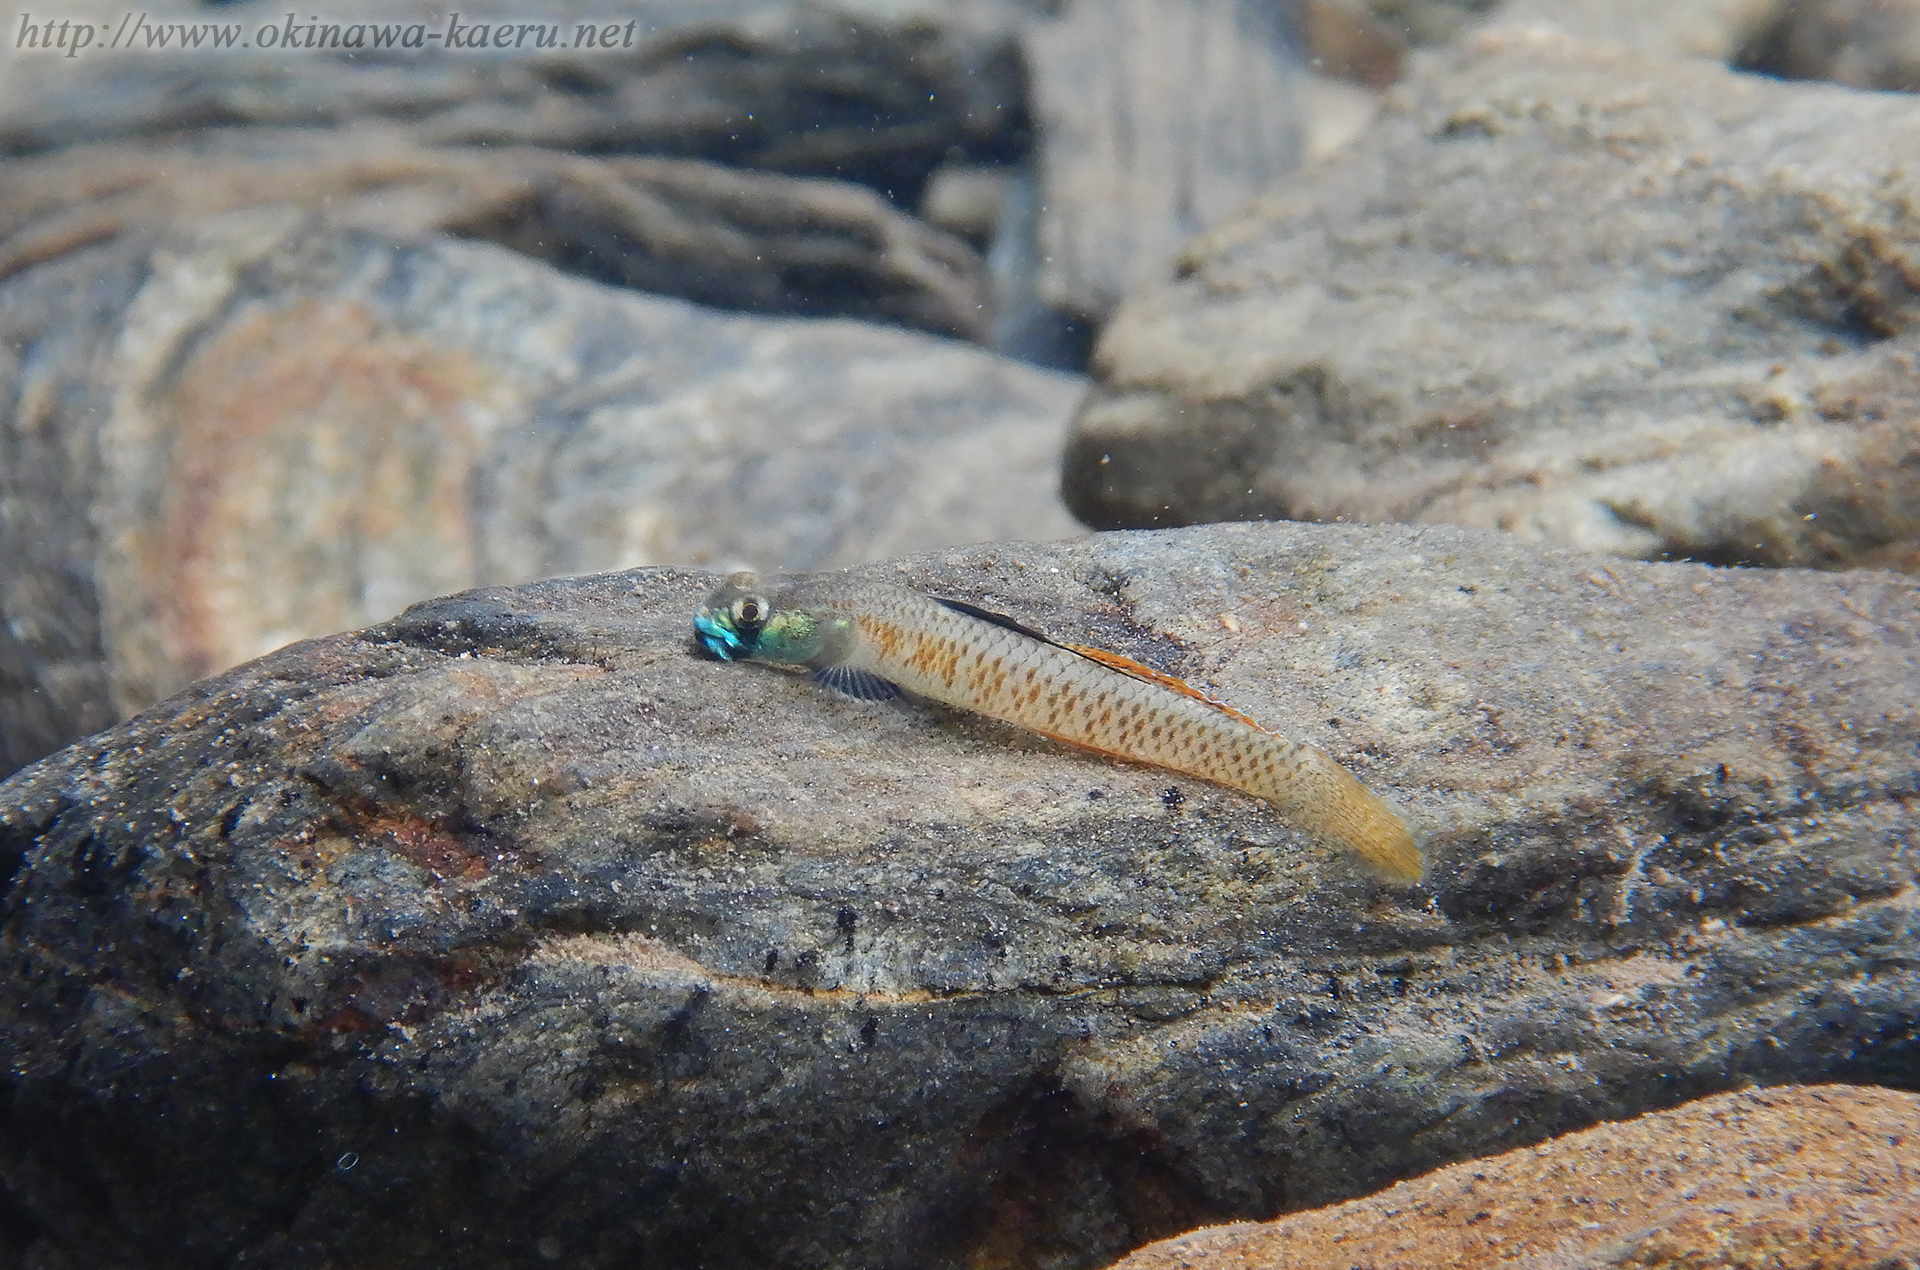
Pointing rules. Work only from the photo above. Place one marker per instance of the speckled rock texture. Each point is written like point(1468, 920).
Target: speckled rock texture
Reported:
point(262, 426)
point(1640, 305)
point(511, 931)
point(1797, 1178)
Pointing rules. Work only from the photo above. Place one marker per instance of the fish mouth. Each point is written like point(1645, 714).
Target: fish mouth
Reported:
point(718, 639)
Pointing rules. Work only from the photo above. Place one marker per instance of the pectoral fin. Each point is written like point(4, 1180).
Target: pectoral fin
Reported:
point(863, 684)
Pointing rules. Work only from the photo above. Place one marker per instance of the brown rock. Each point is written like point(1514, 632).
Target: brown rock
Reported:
point(1347, 41)
point(1799, 1178)
point(511, 931)
point(1639, 305)
point(265, 426)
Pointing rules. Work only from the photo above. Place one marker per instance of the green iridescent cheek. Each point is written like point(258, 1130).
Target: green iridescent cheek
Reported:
point(790, 637)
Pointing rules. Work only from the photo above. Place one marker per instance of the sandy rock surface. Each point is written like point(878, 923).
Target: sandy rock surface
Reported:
point(1799, 1178)
point(510, 930)
point(264, 427)
point(1713, 360)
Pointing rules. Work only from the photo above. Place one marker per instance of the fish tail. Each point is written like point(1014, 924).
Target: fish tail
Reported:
point(1365, 822)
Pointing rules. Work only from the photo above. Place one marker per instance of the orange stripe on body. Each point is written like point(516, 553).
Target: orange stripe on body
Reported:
point(1128, 666)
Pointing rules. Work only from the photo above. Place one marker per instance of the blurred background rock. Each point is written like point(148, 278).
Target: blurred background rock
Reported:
point(218, 434)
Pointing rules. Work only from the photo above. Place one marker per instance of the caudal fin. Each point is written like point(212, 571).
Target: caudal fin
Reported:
point(1364, 822)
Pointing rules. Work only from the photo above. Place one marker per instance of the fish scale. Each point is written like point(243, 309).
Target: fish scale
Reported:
point(1084, 697)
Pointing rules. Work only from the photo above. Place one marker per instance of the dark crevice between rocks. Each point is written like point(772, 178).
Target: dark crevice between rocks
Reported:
point(1072, 1185)
point(1891, 1057)
point(823, 270)
point(1217, 468)
point(18, 1231)
point(292, 1144)
point(1719, 556)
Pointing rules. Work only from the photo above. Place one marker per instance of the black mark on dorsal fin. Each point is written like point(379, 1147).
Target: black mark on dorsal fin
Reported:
point(1112, 661)
point(987, 615)
point(863, 684)
point(1100, 657)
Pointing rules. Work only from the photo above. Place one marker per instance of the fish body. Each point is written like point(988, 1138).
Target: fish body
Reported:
point(866, 638)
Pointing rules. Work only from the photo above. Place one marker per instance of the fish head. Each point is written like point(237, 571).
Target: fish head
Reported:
point(728, 626)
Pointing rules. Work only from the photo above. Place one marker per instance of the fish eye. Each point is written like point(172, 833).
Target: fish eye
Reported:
point(749, 610)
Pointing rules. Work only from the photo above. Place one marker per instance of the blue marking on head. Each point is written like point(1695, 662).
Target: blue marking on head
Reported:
point(718, 637)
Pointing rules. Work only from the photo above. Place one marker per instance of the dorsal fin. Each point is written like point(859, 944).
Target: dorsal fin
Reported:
point(988, 615)
point(1112, 661)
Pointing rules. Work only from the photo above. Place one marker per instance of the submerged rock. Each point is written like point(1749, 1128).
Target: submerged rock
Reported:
point(1865, 43)
point(1717, 29)
point(266, 427)
point(739, 240)
point(1696, 363)
point(512, 931)
point(1157, 119)
point(879, 92)
point(1801, 1178)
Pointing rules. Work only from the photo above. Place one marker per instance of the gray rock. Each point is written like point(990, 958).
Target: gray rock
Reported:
point(880, 91)
point(967, 200)
point(1637, 305)
point(1716, 29)
point(1865, 43)
point(510, 930)
point(742, 240)
point(1157, 119)
point(264, 428)
point(1423, 22)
